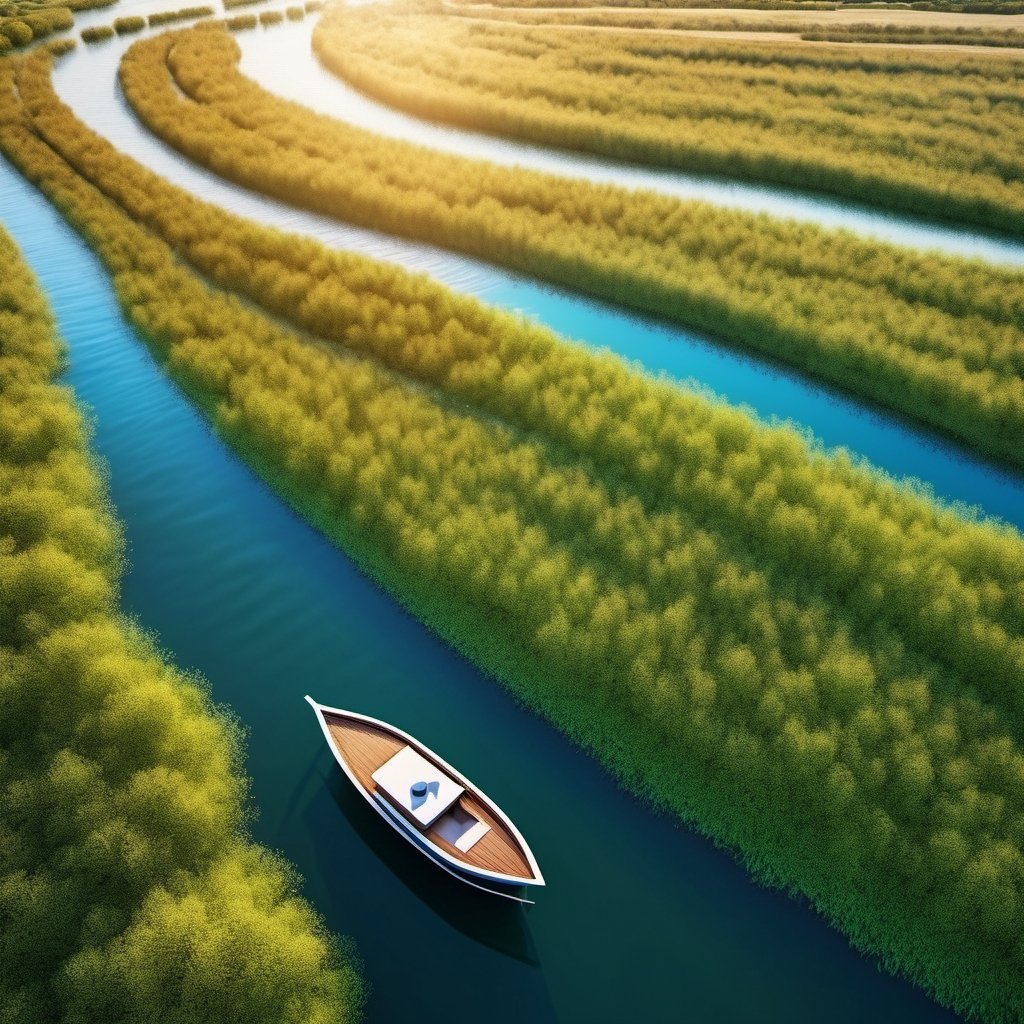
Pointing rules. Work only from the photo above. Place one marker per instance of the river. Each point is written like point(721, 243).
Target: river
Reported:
point(641, 920)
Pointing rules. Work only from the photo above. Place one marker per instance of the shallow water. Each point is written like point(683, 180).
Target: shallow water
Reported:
point(87, 82)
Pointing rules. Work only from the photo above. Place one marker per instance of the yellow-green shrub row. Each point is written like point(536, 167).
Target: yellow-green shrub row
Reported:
point(964, 35)
point(934, 134)
point(837, 756)
point(97, 33)
point(22, 22)
point(125, 880)
point(183, 14)
point(909, 34)
point(965, 6)
point(132, 23)
point(938, 338)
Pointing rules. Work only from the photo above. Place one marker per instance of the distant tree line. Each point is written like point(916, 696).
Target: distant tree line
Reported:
point(817, 667)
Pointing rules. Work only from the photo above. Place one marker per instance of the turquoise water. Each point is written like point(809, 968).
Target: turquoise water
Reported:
point(641, 920)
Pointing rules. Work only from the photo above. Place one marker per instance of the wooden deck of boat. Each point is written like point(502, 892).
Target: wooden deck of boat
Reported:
point(366, 747)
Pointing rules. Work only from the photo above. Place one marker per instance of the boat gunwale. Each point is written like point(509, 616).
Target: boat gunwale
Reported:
point(461, 867)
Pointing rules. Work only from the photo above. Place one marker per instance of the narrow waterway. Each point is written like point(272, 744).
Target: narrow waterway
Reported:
point(280, 61)
point(641, 920)
point(87, 82)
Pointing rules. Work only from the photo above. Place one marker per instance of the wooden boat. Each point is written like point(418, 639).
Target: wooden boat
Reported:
point(432, 805)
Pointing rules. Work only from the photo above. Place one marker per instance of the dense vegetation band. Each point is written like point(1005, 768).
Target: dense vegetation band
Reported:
point(126, 881)
point(658, 21)
point(937, 338)
point(753, 634)
point(934, 134)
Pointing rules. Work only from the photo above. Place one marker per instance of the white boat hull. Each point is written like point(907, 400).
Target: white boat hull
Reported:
point(492, 882)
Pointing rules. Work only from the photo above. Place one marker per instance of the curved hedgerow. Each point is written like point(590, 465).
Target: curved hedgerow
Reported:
point(662, 20)
point(886, 127)
point(610, 547)
point(937, 338)
point(126, 882)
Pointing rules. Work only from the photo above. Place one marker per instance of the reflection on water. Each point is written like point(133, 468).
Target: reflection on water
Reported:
point(500, 925)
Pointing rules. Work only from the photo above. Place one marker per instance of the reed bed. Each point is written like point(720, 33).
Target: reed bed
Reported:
point(129, 25)
point(183, 14)
point(819, 32)
point(754, 635)
point(97, 33)
point(939, 339)
point(126, 878)
point(956, 6)
point(933, 134)
point(23, 22)
point(909, 35)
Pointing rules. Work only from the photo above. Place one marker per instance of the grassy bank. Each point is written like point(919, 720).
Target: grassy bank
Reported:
point(546, 510)
point(126, 881)
point(935, 338)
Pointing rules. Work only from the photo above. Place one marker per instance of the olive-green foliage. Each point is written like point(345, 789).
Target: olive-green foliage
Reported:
point(295, 13)
point(23, 21)
point(857, 123)
point(230, 4)
point(271, 17)
point(240, 22)
point(967, 6)
point(184, 14)
point(16, 32)
point(820, 669)
point(58, 47)
point(97, 33)
point(132, 23)
point(937, 338)
point(126, 883)
point(795, 5)
point(904, 34)
point(867, 32)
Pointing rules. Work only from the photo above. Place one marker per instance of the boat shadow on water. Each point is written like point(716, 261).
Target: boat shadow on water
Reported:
point(498, 924)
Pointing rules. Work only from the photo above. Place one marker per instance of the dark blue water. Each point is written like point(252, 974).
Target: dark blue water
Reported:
point(641, 920)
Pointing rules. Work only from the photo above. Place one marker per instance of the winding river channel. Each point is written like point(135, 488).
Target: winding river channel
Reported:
point(641, 920)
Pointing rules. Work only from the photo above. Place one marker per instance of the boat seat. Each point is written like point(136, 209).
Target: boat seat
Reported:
point(460, 828)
